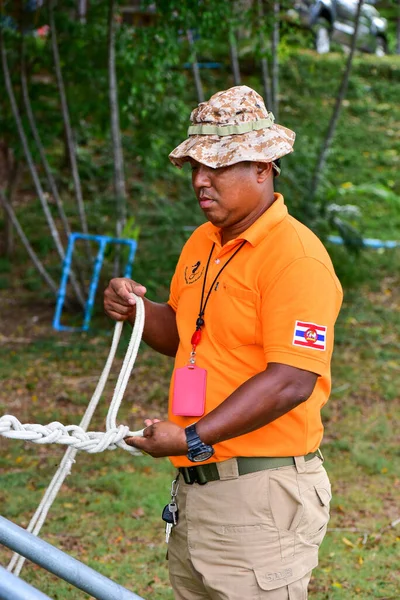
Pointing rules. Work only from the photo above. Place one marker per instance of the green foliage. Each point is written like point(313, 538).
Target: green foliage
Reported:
point(156, 96)
point(5, 265)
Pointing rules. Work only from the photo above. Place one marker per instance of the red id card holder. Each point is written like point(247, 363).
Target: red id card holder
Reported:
point(189, 396)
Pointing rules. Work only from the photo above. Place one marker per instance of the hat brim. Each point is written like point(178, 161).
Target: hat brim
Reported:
point(264, 145)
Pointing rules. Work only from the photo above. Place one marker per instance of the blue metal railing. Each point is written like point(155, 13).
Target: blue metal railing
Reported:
point(102, 240)
point(367, 242)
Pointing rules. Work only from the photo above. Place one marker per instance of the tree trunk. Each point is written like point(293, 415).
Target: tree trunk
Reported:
point(27, 152)
point(67, 125)
point(35, 259)
point(264, 60)
point(336, 111)
point(119, 179)
point(82, 11)
point(38, 141)
point(195, 67)
point(275, 61)
point(10, 172)
point(50, 179)
point(12, 189)
point(234, 56)
point(32, 167)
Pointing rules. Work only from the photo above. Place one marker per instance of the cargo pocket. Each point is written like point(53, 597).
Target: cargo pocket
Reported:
point(316, 501)
point(318, 509)
point(234, 311)
point(285, 500)
point(293, 575)
point(287, 510)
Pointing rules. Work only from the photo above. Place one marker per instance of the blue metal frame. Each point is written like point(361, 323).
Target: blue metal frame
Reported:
point(102, 240)
point(367, 242)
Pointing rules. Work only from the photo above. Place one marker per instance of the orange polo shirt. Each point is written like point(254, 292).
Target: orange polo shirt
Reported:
point(276, 301)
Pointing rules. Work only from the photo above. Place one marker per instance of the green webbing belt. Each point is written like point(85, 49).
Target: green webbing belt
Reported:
point(222, 130)
point(246, 464)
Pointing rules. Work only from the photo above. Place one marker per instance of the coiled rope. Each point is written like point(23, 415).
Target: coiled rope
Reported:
point(79, 439)
point(74, 435)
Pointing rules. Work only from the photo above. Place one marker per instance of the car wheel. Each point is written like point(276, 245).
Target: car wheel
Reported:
point(381, 47)
point(322, 38)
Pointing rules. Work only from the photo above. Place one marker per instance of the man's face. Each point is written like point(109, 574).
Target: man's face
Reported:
point(230, 197)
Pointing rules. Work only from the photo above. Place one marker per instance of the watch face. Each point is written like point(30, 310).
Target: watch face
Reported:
point(202, 456)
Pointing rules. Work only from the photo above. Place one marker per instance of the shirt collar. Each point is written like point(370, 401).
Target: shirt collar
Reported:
point(259, 229)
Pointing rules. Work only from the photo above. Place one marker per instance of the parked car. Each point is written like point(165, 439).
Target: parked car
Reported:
point(333, 20)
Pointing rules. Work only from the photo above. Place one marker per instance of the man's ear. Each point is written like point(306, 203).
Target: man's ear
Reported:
point(264, 170)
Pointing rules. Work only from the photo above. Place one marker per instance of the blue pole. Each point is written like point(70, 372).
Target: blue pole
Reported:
point(93, 284)
point(61, 564)
point(13, 588)
point(64, 280)
point(129, 262)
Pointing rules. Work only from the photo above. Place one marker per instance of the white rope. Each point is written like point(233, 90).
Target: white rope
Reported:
point(75, 435)
point(68, 460)
point(70, 435)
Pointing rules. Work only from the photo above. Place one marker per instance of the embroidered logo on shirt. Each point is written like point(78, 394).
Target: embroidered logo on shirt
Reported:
point(309, 335)
point(193, 273)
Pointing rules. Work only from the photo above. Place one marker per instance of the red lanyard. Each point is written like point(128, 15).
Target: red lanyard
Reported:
point(196, 337)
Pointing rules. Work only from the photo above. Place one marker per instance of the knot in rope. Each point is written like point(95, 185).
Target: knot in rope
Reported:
point(76, 436)
point(69, 435)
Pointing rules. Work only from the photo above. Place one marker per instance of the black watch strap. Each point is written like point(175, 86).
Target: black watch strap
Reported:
point(197, 450)
point(192, 435)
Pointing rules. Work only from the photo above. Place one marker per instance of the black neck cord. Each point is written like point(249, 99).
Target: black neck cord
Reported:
point(200, 320)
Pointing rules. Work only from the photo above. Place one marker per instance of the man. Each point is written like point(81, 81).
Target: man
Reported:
point(250, 318)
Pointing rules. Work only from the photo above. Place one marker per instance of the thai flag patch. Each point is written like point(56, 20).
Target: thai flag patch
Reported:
point(309, 335)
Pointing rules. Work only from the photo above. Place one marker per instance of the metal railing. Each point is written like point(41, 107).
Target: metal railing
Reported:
point(57, 562)
point(13, 588)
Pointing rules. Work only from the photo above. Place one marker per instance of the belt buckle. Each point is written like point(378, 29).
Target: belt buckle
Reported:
point(190, 475)
point(187, 475)
point(201, 477)
point(193, 475)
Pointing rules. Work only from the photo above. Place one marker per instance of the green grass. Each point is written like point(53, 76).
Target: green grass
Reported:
point(108, 512)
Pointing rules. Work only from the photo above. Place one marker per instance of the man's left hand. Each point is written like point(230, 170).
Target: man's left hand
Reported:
point(160, 438)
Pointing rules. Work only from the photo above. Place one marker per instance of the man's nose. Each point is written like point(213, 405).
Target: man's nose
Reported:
point(201, 177)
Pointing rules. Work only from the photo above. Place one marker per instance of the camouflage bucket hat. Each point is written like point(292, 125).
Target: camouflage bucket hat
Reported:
point(233, 126)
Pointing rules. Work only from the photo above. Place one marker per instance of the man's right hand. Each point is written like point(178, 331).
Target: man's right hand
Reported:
point(119, 298)
point(160, 330)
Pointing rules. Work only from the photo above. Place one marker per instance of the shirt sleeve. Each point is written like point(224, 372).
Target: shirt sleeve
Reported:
point(298, 312)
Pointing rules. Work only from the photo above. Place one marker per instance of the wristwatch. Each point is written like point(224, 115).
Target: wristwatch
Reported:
point(197, 450)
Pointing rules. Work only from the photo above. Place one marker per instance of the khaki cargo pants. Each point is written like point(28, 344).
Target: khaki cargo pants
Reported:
point(252, 537)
